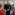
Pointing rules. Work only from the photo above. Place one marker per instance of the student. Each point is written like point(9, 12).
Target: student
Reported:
point(1, 13)
point(14, 11)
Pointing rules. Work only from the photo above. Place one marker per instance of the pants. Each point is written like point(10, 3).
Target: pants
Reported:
point(7, 13)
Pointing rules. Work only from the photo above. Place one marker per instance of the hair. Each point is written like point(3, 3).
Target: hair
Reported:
point(0, 5)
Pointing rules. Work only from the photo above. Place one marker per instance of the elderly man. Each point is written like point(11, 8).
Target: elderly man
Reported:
point(11, 11)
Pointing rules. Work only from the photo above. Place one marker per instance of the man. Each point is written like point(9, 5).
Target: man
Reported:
point(7, 8)
point(11, 3)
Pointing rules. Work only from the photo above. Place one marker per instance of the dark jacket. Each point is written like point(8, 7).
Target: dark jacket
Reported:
point(6, 6)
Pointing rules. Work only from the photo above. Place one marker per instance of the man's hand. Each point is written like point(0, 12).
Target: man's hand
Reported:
point(7, 10)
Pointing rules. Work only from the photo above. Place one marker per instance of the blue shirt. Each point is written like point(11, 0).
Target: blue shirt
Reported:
point(11, 12)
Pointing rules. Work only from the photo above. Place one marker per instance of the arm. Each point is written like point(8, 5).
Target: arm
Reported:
point(8, 9)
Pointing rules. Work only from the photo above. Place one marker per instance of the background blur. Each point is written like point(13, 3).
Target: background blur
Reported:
point(2, 2)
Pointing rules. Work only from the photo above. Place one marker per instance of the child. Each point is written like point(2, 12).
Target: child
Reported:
point(13, 11)
point(1, 13)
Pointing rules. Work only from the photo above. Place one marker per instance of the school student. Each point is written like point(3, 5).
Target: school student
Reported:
point(1, 13)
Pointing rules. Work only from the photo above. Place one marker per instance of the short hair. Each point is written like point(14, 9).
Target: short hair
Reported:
point(0, 5)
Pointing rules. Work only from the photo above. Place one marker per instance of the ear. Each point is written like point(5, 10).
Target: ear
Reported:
point(2, 10)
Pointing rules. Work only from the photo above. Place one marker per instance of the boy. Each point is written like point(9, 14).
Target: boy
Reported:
point(1, 13)
point(14, 11)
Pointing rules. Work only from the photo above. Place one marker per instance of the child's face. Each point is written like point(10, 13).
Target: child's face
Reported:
point(14, 8)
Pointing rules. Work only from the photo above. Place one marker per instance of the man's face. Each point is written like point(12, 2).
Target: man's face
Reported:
point(8, 3)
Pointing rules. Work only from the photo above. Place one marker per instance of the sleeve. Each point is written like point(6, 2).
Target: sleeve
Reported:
point(2, 13)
